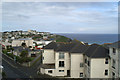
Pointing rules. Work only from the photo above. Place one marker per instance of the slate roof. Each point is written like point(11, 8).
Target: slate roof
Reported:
point(97, 51)
point(52, 45)
point(115, 44)
point(79, 48)
point(20, 48)
point(24, 39)
point(66, 47)
point(93, 51)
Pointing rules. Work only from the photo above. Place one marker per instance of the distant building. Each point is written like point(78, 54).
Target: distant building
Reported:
point(19, 42)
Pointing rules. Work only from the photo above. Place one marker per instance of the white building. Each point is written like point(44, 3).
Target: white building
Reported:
point(78, 60)
point(41, 43)
point(97, 62)
point(115, 59)
point(27, 41)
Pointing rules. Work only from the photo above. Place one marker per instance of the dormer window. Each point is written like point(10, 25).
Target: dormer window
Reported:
point(114, 50)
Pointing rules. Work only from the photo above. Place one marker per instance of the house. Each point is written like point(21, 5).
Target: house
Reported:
point(96, 62)
point(114, 49)
point(40, 44)
point(5, 44)
point(57, 55)
point(32, 53)
point(25, 32)
point(19, 42)
point(76, 60)
point(18, 49)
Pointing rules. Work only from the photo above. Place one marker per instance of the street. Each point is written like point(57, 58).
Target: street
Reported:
point(15, 70)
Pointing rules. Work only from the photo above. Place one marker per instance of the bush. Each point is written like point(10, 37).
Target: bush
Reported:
point(4, 75)
point(11, 55)
point(24, 53)
point(24, 59)
point(4, 51)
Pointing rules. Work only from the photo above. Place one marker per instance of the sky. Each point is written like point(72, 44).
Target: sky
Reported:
point(61, 17)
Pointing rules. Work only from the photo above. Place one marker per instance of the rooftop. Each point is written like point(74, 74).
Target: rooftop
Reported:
point(24, 39)
point(115, 44)
point(97, 51)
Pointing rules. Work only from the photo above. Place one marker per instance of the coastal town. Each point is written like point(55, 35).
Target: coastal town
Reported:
point(33, 54)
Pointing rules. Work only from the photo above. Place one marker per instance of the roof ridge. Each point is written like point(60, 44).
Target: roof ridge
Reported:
point(86, 49)
point(95, 51)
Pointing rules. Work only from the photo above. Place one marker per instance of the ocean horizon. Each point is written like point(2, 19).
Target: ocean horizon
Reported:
point(92, 38)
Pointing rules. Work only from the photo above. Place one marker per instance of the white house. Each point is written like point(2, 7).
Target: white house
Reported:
point(96, 62)
point(115, 59)
point(79, 60)
point(27, 41)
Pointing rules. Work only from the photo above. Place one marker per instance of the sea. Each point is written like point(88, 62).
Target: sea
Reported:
point(92, 38)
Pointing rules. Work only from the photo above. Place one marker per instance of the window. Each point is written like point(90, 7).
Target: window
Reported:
point(61, 55)
point(81, 64)
point(50, 71)
point(113, 75)
point(61, 70)
point(85, 60)
point(113, 64)
point(88, 70)
point(88, 63)
point(114, 50)
point(61, 63)
point(43, 58)
point(106, 72)
point(81, 74)
point(106, 61)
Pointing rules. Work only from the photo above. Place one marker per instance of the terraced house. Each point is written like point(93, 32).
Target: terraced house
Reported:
point(76, 60)
point(115, 59)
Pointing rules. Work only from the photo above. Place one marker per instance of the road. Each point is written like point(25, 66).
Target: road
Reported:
point(15, 70)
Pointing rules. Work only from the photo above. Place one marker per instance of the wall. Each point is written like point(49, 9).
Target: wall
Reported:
point(76, 59)
point(98, 68)
point(116, 58)
point(19, 42)
point(48, 56)
point(66, 64)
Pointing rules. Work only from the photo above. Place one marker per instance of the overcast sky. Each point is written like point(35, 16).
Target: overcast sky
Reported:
point(72, 17)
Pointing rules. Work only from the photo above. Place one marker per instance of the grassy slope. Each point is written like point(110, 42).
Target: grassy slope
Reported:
point(60, 38)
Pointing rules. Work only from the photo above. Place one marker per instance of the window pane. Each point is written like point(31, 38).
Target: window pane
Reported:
point(61, 63)
point(61, 55)
point(61, 70)
point(106, 61)
point(113, 64)
point(114, 50)
point(50, 71)
point(81, 65)
point(81, 74)
point(106, 72)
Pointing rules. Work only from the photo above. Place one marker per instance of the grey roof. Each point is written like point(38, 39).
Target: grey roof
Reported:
point(52, 45)
point(97, 51)
point(93, 51)
point(25, 39)
point(20, 48)
point(80, 48)
point(66, 47)
point(115, 44)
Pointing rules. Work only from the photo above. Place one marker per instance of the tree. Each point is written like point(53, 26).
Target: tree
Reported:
point(24, 53)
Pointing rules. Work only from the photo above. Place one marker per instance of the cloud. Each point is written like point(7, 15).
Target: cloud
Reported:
point(61, 17)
